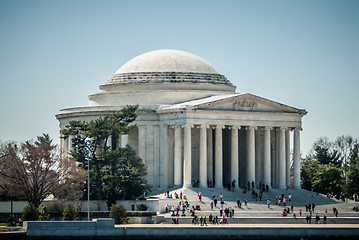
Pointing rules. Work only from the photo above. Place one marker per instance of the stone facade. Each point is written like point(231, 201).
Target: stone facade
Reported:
point(193, 127)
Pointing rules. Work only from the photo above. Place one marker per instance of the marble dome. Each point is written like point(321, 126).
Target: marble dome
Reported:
point(167, 61)
point(167, 66)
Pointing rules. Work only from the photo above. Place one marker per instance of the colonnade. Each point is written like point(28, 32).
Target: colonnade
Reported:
point(259, 154)
point(221, 154)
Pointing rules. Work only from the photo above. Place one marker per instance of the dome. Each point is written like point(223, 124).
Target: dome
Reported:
point(167, 66)
point(167, 61)
point(159, 78)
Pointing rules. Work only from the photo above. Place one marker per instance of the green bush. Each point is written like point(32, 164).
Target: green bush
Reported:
point(106, 214)
point(30, 213)
point(69, 213)
point(55, 209)
point(118, 212)
point(44, 214)
point(141, 207)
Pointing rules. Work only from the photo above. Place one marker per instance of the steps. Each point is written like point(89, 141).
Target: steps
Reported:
point(257, 212)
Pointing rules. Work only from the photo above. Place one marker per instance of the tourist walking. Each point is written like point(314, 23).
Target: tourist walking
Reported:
point(268, 203)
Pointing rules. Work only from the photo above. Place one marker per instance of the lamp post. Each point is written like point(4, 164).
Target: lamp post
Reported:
point(88, 188)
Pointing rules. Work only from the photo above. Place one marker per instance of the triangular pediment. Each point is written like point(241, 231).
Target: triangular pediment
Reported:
point(237, 102)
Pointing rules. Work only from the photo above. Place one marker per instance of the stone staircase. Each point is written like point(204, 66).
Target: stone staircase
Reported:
point(258, 211)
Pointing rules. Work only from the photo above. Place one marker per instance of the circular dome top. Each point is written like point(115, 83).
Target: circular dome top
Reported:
point(167, 61)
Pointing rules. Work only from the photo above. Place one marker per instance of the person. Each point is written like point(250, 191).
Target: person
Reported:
point(201, 220)
point(221, 196)
point(204, 221)
point(211, 205)
point(313, 206)
point(238, 203)
point(307, 219)
point(294, 216)
point(284, 213)
point(317, 219)
point(215, 202)
point(224, 220)
point(222, 202)
point(268, 203)
point(300, 212)
point(325, 219)
point(289, 197)
point(245, 202)
point(291, 208)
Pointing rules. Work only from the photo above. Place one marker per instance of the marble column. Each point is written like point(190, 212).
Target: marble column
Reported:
point(178, 165)
point(203, 155)
point(210, 154)
point(296, 158)
point(142, 142)
point(282, 162)
point(258, 157)
point(124, 140)
point(267, 156)
point(287, 157)
point(163, 157)
point(219, 157)
point(234, 154)
point(187, 170)
point(250, 139)
point(62, 146)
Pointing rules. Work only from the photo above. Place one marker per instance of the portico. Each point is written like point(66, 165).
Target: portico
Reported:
point(192, 128)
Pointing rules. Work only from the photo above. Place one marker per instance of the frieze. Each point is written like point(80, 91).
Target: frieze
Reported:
point(245, 105)
point(159, 77)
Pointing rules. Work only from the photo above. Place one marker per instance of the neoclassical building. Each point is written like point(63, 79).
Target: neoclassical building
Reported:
point(193, 127)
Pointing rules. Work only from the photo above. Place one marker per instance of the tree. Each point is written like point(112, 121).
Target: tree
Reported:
point(308, 171)
point(91, 142)
point(344, 145)
point(119, 213)
point(30, 213)
point(333, 166)
point(352, 185)
point(328, 179)
point(34, 171)
point(69, 213)
point(324, 152)
point(124, 177)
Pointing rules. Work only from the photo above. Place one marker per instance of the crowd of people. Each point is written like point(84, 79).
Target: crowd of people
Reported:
point(225, 212)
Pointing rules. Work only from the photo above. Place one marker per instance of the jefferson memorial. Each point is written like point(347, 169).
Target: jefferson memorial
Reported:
point(192, 126)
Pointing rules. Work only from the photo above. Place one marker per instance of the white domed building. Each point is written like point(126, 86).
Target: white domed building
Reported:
point(192, 127)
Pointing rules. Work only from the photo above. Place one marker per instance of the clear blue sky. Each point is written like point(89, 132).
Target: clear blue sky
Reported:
point(301, 53)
